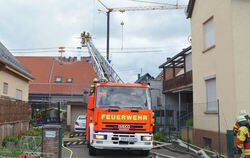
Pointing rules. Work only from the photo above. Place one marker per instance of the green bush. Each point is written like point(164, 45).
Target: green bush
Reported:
point(7, 139)
point(34, 133)
point(159, 136)
point(189, 122)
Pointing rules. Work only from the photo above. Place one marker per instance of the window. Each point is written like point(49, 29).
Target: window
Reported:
point(19, 94)
point(207, 143)
point(211, 95)
point(5, 88)
point(123, 97)
point(208, 27)
point(58, 79)
point(69, 80)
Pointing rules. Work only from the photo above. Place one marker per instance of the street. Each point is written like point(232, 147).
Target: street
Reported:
point(82, 152)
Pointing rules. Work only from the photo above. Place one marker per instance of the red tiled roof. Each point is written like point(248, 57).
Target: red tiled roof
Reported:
point(42, 68)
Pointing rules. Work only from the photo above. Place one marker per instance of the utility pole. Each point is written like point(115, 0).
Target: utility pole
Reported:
point(108, 24)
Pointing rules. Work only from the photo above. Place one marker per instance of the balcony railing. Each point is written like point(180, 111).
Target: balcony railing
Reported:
point(178, 81)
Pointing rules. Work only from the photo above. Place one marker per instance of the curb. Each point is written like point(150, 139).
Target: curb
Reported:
point(162, 155)
point(181, 152)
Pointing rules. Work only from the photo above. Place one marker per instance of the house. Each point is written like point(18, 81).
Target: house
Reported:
point(60, 80)
point(176, 77)
point(14, 87)
point(144, 79)
point(157, 99)
point(221, 72)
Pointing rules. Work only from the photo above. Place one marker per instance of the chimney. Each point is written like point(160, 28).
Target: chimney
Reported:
point(139, 76)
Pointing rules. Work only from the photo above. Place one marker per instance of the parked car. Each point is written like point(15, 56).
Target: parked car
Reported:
point(80, 123)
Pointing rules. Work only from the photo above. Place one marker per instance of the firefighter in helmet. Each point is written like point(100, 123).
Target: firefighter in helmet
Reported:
point(243, 113)
point(92, 87)
point(243, 137)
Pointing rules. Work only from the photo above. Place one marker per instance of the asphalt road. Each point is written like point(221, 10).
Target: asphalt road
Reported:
point(82, 152)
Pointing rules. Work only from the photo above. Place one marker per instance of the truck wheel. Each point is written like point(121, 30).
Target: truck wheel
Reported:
point(144, 152)
point(92, 150)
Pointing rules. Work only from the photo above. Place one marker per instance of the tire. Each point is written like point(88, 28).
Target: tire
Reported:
point(144, 152)
point(92, 151)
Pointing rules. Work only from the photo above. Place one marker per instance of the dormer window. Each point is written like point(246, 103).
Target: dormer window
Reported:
point(58, 79)
point(69, 80)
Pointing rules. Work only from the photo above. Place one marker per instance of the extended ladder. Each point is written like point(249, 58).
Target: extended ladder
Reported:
point(101, 66)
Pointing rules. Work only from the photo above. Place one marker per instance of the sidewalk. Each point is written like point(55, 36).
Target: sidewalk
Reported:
point(170, 154)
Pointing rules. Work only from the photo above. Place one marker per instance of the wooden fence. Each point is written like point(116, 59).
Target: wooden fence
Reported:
point(12, 110)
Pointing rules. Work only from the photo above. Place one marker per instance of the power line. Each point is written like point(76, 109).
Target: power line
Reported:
point(123, 52)
point(152, 2)
point(71, 47)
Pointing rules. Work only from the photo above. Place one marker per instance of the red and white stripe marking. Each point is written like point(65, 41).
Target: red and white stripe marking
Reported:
point(77, 134)
point(68, 143)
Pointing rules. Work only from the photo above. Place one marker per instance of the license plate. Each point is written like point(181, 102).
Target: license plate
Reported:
point(127, 139)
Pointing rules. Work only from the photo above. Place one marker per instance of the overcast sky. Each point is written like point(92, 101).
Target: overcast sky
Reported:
point(54, 23)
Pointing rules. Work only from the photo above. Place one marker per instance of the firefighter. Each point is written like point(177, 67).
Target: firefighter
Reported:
point(243, 137)
point(83, 38)
point(83, 34)
point(92, 87)
point(236, 125)
point(88, 36)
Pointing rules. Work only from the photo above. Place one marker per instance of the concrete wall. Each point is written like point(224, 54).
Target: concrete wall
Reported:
point(14, 82)
point(216, 61)
point(241, 40)
point(156, 91)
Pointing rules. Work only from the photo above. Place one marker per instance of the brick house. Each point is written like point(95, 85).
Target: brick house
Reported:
point(60, 79)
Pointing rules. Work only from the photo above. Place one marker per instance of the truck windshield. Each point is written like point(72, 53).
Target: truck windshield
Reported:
point(123, 97)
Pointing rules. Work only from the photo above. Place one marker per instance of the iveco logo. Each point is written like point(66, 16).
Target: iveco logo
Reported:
point(123, 126)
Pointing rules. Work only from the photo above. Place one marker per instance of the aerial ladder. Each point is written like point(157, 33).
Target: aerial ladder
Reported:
point(101, 66)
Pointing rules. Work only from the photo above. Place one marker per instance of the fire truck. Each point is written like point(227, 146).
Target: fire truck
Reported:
point(119, 115)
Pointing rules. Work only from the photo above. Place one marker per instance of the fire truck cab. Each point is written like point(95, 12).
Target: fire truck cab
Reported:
point(120, 116)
